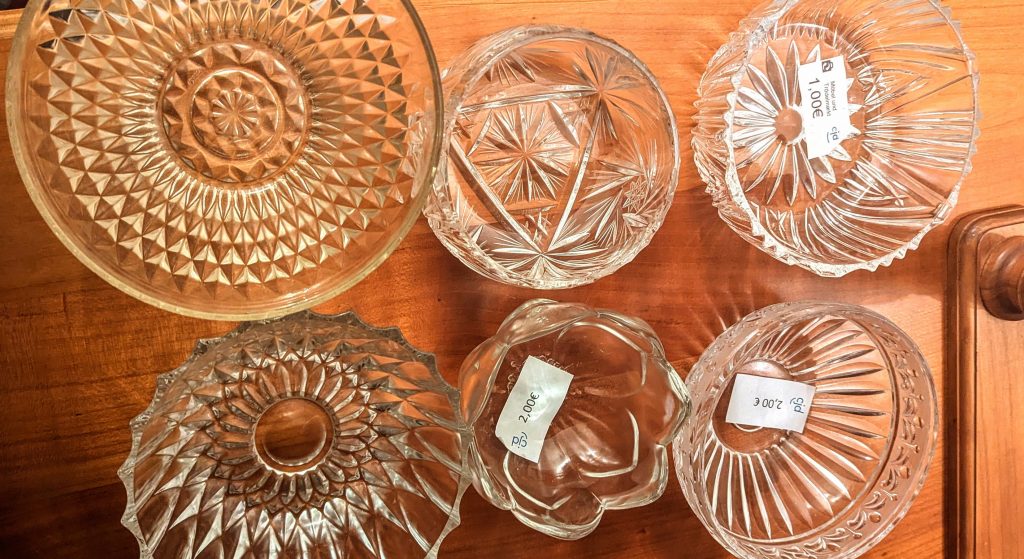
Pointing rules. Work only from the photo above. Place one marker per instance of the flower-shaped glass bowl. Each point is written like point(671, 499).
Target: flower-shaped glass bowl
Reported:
point(837, 488)
point(310, 436)
point(911, 100)
point(226, 158)
point(563, 158)
point(606, 448)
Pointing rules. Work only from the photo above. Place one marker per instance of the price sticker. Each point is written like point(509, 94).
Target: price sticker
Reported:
point(770, 402)
point(531, 407)
point(825, 105)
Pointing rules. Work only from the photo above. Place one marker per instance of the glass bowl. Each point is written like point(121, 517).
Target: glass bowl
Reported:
point(309, 436)
point(612, 420)
point(226, 159)
point(836, 488)
point(563, 158)
point(835, 135)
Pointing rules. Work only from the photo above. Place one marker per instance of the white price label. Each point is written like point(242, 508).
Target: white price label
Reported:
point(531, 407)
point(770, 402)
point(825, 105)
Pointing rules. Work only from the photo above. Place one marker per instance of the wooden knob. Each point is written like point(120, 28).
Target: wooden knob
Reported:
point(1002, 279)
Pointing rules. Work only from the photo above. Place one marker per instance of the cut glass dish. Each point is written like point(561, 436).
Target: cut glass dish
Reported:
point(225, 158)
point(563, 158)
point(836, 489)
point(838, 175)
point(607, 445)
point(309, 436)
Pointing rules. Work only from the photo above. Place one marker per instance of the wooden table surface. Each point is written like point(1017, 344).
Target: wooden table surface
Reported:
point(78, 358)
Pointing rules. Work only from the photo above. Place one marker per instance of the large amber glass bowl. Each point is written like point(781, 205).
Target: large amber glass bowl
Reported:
point(838, 487)
point(226, 158)
point(563, 158)
point(834, 135)
point(310, 436)
point(607, 446)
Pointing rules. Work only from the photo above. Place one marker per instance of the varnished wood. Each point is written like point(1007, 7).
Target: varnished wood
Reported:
point(985, 352)
point(1002, 278)
point(78, 359)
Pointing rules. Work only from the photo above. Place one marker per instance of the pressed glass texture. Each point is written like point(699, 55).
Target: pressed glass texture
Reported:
point(311, 436)
point(912, 96)
point(562, 158)
point(837, 488)
point(226, 158)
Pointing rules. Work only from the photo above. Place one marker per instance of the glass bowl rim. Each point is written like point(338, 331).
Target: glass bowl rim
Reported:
point(663, 447)
point(501, 43)
point(789, 310)
point(769, 243)
point(300, 300)
point(137, 425)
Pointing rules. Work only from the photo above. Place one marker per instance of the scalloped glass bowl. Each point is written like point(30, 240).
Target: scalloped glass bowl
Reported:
point(308, 436)
point(607, 446)
point(563, 158)
point(226, 159)
point(838, 488)
point(913, 96)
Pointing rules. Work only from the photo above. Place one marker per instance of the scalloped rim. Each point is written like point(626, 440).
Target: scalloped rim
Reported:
point(579, 531)
point(769, 244)
point(865, 544)
point(301, 299)
point(500, 44)
point(129, 518)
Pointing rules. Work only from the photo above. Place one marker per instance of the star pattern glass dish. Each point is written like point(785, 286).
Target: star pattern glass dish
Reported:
point(607, 446)
point(839, 487)
point(563, 158)
point(224, 158)
point(912, 96)
point(309, 436)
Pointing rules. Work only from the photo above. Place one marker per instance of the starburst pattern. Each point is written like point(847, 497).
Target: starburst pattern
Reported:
point(769, 161)
point(914, 93)
point(383, 478)
point(232, 115)
point(235, 113)
point(621, 193)
point(226, 157)
point(525, 153)
point(563, 159)
point(851, 475)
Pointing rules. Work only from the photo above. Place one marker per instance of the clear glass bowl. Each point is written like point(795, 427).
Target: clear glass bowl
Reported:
point(228, 159)
point(563, 158)
point(309, 436)
point(902, 135)
point(836, 489)
point(607, 445)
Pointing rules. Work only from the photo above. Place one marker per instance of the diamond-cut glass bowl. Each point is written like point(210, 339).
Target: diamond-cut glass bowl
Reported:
point(607, 445)
point(834, 135)
point(562, 158)
point(309, 436)
point(226, 158)
point(837, 488)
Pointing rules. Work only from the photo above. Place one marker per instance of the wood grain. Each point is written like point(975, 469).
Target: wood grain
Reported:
point(984, 353)
point(78, 358)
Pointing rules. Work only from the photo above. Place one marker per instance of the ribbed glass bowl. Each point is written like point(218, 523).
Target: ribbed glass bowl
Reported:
point(563, 158)
point(912, 103)
point(230, 159)
point(607, 447)
point(839, 487)
point(308, 436)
